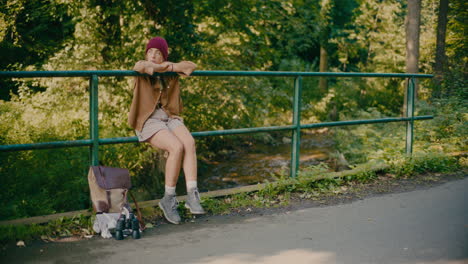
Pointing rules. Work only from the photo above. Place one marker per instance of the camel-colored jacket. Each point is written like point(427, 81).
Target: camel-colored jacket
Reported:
point(149, 91)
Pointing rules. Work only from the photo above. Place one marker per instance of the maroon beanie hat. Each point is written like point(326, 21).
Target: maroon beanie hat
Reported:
point(160, 44)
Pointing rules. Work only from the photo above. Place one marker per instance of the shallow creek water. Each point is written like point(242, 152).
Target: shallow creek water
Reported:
point(261, 162)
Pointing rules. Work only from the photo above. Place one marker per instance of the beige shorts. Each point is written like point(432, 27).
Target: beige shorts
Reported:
point(158, 121)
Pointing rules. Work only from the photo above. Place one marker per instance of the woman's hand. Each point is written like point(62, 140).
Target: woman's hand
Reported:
point(169, 65)
point(150, 67)
point(148, 70)
point(160, 67)
point(183, 68)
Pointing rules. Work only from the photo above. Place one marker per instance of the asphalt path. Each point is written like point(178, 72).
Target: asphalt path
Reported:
point(421, 226)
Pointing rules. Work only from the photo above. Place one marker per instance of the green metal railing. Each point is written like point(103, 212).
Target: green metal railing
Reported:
point(296, 126)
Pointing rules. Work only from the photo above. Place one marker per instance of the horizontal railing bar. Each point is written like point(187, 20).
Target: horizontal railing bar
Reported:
point(108, 73)
point(241, 131)
point(104, 141)
point(47, 145)
point(308, 74)
point(367, 121)
point(118, 140)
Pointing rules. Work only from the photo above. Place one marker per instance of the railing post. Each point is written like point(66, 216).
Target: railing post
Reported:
point(93, 120)
point(296, 133)
point(409, 113)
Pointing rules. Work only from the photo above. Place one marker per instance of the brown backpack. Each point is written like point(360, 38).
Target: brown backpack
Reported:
point(109, 187)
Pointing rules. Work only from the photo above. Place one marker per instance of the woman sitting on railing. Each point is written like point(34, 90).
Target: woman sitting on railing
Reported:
point(154, 114)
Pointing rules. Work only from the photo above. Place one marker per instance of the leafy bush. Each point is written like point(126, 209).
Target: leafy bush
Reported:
point(43, 182)
point(421, 163)
point(446, 133)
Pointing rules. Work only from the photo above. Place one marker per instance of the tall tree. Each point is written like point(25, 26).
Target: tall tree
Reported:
point(413, 20)
point(325, 29)
point(440, 55)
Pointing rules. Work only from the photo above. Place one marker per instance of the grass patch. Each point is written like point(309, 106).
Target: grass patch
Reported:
point(79, 225)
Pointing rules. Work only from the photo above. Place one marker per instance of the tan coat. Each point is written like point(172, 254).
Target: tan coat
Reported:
point(149, 91)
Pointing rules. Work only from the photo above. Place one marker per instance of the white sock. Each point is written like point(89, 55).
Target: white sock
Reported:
point(191, 185)
point(169, 190)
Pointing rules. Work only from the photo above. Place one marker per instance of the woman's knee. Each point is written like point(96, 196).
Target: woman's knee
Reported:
point(189, 144)
point(176, 147)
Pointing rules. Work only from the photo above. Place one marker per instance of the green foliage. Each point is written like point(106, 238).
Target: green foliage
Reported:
point(446, 133)
point(43, 182)
point(30, 33)
point(363, 143)
point(314, 170)
point(364, 176)
point(78, 225)
point(21, 232)
point(226, 204)
point(421, 163)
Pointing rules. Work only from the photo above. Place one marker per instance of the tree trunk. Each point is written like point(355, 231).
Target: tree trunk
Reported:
point(440, 56)
point(413, 19)
point(323, 84)
point(412, 22)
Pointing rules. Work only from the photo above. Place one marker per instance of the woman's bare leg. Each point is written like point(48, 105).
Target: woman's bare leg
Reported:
point(190, 154)
point(167, 141)
point(190, 169)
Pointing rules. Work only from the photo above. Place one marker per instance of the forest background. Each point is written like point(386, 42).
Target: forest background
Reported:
point(289, 35)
